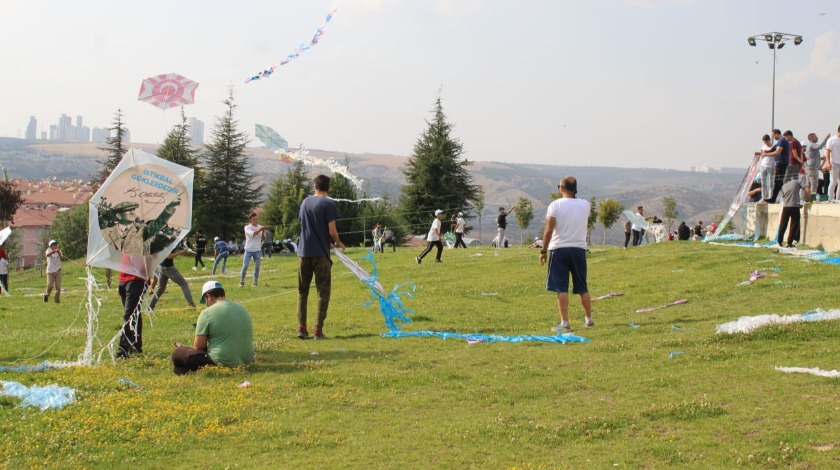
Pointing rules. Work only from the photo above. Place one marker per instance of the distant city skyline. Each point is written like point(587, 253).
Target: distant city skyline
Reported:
point(625, 83)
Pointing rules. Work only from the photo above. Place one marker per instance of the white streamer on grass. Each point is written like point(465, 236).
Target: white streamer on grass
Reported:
point(747, 324)
point(832, 374)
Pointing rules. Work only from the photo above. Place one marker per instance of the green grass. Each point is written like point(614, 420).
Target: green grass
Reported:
point(361, 401)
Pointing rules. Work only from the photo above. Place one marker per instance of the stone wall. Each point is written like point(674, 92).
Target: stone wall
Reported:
point(820, 224)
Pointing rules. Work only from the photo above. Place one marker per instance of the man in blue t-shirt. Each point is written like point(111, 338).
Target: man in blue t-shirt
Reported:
point(780, 150)
point(318, 214)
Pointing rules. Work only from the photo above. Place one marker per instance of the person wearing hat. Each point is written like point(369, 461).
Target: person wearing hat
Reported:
point(223, 334)
point(460, 226)
point(53, 261)
point(433, 239)
point(221, 253)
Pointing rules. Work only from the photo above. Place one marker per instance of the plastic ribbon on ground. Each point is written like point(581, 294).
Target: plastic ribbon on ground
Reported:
point(477, 337)
point(392, 309)
point(43, 366)
point(303, 47)
point(650, 309)
point(608, 296)
point(747, 324)
point(832, 374)
point(680, 328)
point(675, 354)
point(47, 397)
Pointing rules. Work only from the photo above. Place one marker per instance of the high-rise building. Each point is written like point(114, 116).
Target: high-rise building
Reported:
point(196, 132)
point(32, 129)
point(53, 132)
point(100, 134)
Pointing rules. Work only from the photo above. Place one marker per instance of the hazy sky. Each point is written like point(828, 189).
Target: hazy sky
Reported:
point(629, 83)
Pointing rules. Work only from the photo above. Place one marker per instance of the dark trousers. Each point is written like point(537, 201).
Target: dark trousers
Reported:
point(439, 246)
point(637, 237)
point(627, 238)
point(4, 279)
point(186, 359)
point(789, 214)
point(389, 241)
point(131, 337)
point(822, 188)
point(459, 240)
point(778, 180)
point(198, 253)
point(321, 268)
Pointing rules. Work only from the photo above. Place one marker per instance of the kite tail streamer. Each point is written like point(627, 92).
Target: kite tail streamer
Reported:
point(93, 303)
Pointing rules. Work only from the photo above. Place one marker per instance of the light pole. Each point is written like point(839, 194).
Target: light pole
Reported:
point(774, 41)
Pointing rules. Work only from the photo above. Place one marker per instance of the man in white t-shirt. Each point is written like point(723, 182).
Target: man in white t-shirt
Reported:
point(433, 239)
point(252, 248)
point(832, 155)
point(460, 225)
point(564, 240)
point(767, 167)
point(53, 257)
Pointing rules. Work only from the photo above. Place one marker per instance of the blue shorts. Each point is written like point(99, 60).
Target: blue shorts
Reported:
point(561, 263)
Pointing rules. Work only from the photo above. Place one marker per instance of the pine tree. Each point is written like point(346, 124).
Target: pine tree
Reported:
point(115, 149)
point(282, 208)
point(227, 192)
point(436, 177)
point(176, 147)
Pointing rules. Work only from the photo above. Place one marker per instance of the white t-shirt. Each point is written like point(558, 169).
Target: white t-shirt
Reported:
point(252, 243)
point(767, 162)
point(570, 216)
point(53, 261)
point(834, 145)
point(4, 266)
point(459, 225)
point(434, 231)
point(633, 227)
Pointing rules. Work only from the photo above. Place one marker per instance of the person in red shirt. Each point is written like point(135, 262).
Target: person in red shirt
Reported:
point(797, 158)
point(131, 291)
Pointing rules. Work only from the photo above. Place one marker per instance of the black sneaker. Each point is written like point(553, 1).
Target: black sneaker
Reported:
point(319, 334)
point(415, 259)
point(46, 297)
point(302, 333)
point(438, 261)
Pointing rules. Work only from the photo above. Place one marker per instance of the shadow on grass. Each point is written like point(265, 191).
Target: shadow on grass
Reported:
point(288, 362)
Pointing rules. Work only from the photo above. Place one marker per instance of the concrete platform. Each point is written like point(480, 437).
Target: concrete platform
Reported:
point(820, 223)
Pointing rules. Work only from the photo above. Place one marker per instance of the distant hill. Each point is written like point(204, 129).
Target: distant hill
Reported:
point(699, 195)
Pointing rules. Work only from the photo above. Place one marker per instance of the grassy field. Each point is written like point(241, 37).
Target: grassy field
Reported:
point(359, 400)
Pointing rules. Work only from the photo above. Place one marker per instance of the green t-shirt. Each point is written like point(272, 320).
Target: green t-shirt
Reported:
point(229, 333)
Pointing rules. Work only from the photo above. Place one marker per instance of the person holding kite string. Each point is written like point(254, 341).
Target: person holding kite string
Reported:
point(318, 232)
point(223, 334)
point(252, 247)
point(53, 258)
point(564, 240)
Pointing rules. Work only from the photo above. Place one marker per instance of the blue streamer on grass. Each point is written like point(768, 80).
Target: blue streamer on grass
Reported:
point(44, 366)
point(393, 310)
point(562, 339)
point(48, 397)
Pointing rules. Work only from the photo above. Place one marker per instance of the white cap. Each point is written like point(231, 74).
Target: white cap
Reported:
point(51, 242)
point(460, 214)
point(208, 286)
point(215, 239)
point(438, 212)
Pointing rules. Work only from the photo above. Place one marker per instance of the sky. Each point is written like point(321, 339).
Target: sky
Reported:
point(623, 83)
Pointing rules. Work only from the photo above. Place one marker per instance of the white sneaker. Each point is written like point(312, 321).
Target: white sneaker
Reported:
point(562, 328)
point(588, 322)
point(195, 268)
point(204, 268)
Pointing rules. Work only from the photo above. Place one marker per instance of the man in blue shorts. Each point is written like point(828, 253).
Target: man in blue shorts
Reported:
point(564, 242)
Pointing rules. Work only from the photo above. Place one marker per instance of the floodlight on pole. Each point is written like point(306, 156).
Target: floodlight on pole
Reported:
point(774, 41)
